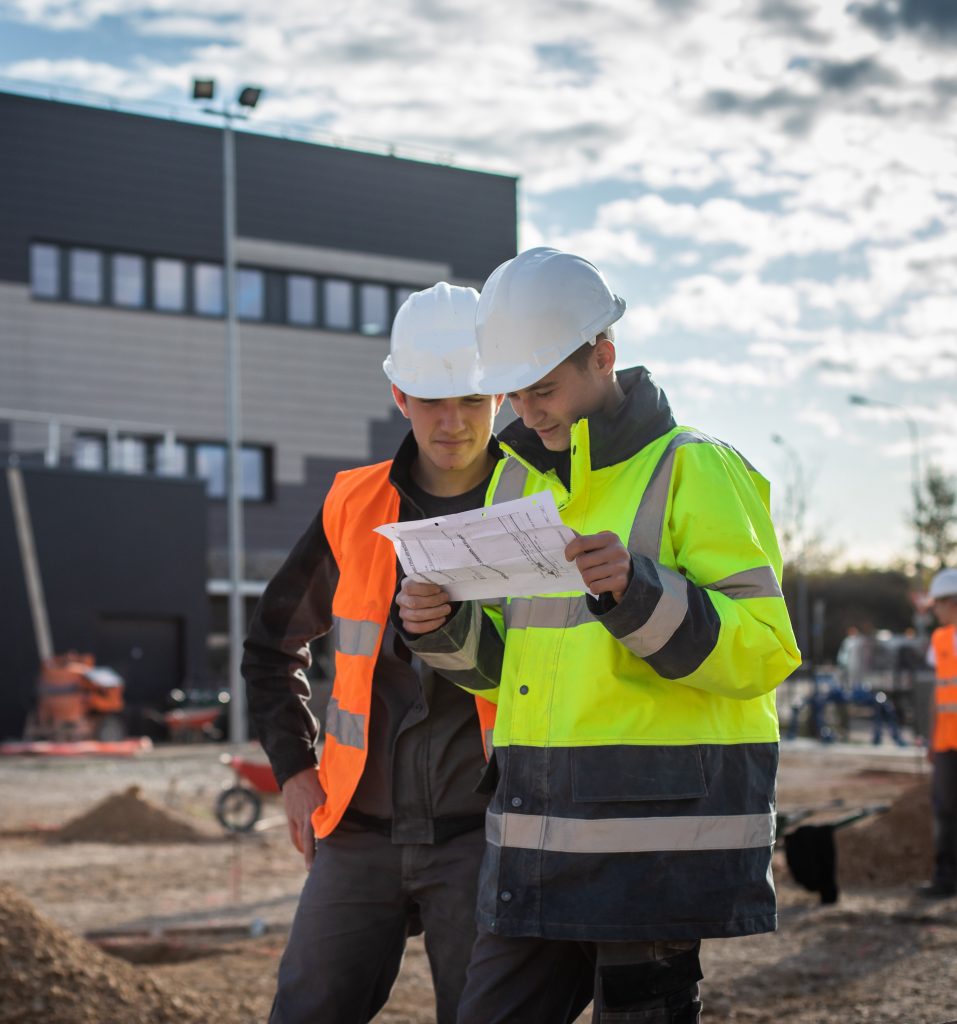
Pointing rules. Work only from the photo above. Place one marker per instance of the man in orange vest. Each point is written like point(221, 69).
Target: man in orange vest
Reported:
point(389, 823)
point(942, 655)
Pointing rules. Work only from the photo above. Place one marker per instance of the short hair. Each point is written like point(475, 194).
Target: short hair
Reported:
point(579, 358)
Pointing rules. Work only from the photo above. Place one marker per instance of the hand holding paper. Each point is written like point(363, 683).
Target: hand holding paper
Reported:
point(514, 549)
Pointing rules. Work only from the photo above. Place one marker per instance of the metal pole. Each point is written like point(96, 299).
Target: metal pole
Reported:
point(237, 618)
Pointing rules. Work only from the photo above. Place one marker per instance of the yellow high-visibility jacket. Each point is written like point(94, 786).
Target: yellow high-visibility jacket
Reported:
point(636, 744)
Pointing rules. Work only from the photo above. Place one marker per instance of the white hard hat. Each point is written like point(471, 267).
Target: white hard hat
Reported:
point(432, 350)
point(944, 584)
point(536, 310)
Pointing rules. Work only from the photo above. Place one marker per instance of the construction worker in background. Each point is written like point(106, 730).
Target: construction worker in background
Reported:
point(942, 656)
point(389, 823)
point(636, 742)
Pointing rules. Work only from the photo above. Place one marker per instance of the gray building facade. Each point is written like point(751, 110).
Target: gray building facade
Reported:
point(112, 335)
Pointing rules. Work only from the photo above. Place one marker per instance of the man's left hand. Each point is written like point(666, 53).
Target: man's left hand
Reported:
point(603, 561)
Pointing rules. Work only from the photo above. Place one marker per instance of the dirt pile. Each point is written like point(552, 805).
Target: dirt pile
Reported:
point(893, 848)
point(48, 974)
point(128, 817)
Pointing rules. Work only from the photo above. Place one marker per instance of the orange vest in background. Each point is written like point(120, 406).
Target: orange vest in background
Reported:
point(944, 643)
point(360, 500)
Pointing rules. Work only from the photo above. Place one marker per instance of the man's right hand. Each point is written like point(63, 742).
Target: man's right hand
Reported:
point(423, 607)
point(301, 795)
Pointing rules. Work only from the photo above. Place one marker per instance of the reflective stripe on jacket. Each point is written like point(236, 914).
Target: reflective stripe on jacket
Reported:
point(944, 642)
point(636, 744)
point(359, 500)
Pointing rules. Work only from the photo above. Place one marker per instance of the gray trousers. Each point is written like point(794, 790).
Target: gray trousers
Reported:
point(546, 981)
point(945, 816)
point(362, 898)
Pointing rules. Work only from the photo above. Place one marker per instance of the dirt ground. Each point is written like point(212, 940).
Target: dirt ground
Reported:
point(199, 923)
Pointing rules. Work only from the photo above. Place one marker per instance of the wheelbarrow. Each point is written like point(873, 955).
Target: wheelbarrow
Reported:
point(239, 806)
point(809, 849)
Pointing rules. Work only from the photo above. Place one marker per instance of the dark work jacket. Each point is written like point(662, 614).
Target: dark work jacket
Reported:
point(425, 753)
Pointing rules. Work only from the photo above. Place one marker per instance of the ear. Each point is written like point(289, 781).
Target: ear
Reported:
point(401, 400)
point(604, 355)
point(497, 402)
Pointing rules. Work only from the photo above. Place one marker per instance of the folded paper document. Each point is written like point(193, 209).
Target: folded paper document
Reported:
point(515, 549)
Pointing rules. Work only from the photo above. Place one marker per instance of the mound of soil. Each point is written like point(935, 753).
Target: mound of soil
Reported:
point(48, 974)
point(893, 848)
point(128, 818)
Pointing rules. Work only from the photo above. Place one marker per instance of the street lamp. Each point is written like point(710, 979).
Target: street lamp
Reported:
point(916, 484)
point(799, 509)
point(205, 89)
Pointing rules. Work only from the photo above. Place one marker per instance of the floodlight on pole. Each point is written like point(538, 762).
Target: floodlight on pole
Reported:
point(916, 481)
point(204, 88)
point(247, 98)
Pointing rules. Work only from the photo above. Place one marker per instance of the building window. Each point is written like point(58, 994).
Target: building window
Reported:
point(45, 271)
point(171, 459)
point(208, 289)
point(401, 294)
point(211, 467)
point(88, 452)
point(169, 285)
point(300, 299)
point(211, 461)
point(250, 294)
point(129, 280)
point(128, 455)
point(373, 309)
point(86, 275)
point(337, 305)
point(253, 474)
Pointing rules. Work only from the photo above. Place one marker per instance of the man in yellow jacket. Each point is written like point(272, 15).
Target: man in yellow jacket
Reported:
point(388, 821)
point(942, 656)
point(636, 742)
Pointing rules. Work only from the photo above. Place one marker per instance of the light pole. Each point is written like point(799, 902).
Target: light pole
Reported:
point(916, 483)
point(205, 89)
point(799, 504)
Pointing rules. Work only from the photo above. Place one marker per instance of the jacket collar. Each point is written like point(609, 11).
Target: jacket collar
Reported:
point(643, 416)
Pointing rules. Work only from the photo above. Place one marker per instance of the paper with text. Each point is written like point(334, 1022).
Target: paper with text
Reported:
point(515, 549)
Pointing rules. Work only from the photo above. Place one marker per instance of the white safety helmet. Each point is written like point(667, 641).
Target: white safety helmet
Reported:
point(432, 350)
point(535, 311)
point(944, 584)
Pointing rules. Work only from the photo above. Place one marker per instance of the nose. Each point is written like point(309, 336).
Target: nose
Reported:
point(452, 418)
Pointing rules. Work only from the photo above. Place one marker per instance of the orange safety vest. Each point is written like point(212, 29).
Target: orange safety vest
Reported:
point(360, 500)
point(944, 642)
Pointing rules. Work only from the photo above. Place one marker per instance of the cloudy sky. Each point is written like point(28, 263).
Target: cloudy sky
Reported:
point(771, 184)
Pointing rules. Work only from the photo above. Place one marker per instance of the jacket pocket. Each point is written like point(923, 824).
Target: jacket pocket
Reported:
point(622, 773)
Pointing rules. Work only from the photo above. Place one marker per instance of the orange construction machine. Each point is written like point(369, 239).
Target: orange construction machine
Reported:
point(76, 700)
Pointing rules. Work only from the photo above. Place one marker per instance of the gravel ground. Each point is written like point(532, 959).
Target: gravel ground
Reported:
point(209, 916)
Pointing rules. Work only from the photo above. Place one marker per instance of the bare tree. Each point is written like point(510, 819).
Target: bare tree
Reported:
point(935, 517)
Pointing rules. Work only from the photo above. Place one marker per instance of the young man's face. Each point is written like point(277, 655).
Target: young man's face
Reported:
point(945, 610)
point(562, 397)
point(452, 433)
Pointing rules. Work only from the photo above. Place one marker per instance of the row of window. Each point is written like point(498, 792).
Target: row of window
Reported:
point(204, 460)
point(166, 285)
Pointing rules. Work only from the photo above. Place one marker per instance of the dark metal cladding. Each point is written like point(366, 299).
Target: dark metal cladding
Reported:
point(96, 177)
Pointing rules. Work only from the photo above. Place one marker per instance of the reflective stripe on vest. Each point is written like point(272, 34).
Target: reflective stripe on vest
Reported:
point(511, 481)
point(630, 835)
point(349, 729)
point(356, 636)
point(944, 643)
point(758, 582)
